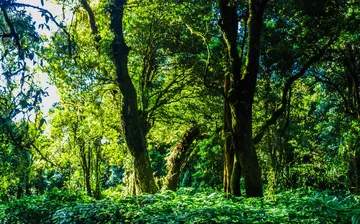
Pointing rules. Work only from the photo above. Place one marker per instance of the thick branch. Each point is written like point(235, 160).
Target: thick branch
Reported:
point(13, 32)
point(94, 29)
point(207, 63)
point(281, 109)
point(338, 90)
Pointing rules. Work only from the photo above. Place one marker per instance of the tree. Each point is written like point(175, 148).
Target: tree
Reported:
point(342, 77)
point(241, 95)
point(277, 53)
point(164, 76)
point(178, 156)
point(21, 121)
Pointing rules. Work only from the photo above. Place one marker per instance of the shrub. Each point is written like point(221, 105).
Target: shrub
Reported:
point(185, 206)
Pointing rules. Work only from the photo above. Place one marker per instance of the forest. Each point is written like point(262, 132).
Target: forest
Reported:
point(180, 111)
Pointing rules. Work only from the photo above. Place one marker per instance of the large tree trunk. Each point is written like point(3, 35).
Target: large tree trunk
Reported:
point(242, 105)
point(229, 150)
point(135, 136)
point(178, 156)
point(229, 26)
point(235, 178)
point(88, 184)
point(245, 152)
point(232, 173)
point(229, 163)
point(242, 94)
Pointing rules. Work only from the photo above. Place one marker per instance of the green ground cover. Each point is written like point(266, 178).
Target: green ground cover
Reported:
point(185, 206)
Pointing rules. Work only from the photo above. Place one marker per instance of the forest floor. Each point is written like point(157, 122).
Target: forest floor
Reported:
point(185, 206)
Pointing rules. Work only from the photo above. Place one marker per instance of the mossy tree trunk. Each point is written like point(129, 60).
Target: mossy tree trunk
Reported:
point(241, 95)
point(235, 178)
point(178, 156)
point(134, 133)
point(232, 172)
point(133, 123)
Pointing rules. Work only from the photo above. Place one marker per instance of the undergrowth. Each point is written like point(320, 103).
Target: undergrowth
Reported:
point(184, 206)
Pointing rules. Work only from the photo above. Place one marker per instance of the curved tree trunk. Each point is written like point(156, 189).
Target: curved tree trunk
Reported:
point(178, 157)
point(134, 133)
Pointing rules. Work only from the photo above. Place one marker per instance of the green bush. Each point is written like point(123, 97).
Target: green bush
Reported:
point(185, 206)
point(38, 209)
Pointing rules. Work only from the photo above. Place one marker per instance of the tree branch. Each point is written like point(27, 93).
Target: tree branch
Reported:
point(207, 63)
point(337, 89)
point(94, 29)
point(44, 11)
point(281, 109)
point(42, 156)
point(13, 32)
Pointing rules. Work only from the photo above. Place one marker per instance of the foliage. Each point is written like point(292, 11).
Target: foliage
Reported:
point(184, 206)
point(202, 168)
point(306, 104)
point(40, 208)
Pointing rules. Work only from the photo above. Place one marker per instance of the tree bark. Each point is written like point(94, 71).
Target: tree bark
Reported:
point(97, 193)
point(87, 183)
point(242, 106)
point(229, 163)
point(85, 164)
point(19, 192)
point(235, 178)
point(242, 94)
point(229, 26)
point(178, 157)
point(231, 184)
point(245, 152)
point(135, 136)
point(354, 173)
point(284, 97)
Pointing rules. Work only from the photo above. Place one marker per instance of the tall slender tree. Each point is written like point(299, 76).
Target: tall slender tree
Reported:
point(135, 136)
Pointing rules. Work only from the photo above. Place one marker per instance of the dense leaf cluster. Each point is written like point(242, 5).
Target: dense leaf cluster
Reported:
point(184, 206)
